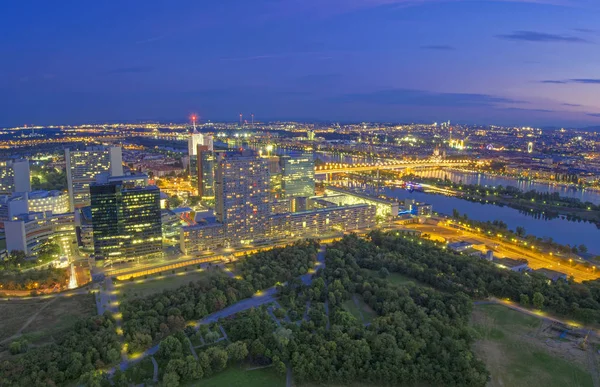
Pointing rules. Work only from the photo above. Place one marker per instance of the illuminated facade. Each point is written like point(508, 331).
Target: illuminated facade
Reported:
point(56, 202)
point(206, 172)
point(29, 231)
point(14, 176)
point(242, 194)
point(297, 176)
point(126, 221)
point(83, 167)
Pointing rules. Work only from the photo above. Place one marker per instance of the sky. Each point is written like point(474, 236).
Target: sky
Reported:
point(519, 62)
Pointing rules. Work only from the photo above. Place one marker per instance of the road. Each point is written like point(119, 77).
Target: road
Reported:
point(535, 259)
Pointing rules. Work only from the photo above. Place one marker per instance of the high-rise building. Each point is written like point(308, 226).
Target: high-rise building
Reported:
point(242, 194)
point(530, 147)
point(195, 141)
point(14, 176)
point(298, 176)
point(83, 167)
point(206, 172)
point(126, 221)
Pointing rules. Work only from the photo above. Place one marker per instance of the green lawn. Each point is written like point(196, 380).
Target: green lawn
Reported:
point(156, 284)
point(237, 377)
point(397, 278)
point(513, 361)
point(363, 312)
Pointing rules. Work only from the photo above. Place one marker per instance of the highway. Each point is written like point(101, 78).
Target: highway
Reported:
point(536, 259)
point(343, 168)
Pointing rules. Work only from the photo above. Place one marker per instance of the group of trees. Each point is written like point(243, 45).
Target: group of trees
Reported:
point(33, 279)
point(179, 365)
point(155, 317)
point(429, 263)
point(92, 344)
point(266, 268)
point(48, 179)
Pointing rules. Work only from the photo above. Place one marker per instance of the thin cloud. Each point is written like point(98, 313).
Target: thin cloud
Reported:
point(529, 110)
point(440, 47)
point(571, 104)
point(410, 97)
point(130, 70)
point(317, 54)
point(586, 81)
point(594, 114)
point(541, 37)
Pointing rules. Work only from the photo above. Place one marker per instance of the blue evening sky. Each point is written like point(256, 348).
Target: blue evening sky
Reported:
point(522, 62)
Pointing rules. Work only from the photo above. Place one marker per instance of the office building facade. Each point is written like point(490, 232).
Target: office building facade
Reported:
point(206, 172)
point(297, 176)
point(83, 167)
point(14, 176)
point(126, 221)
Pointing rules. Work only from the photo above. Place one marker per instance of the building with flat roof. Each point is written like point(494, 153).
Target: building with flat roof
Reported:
point(14, 176)
point(242, 195)
point(297, 176)
point(552, 275)
point(386, 209)
point(84, 165)
point(126, 221)
point(28, 232)
point(518, 265)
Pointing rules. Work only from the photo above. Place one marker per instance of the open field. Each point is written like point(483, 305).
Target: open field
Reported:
point(398, 279)
point(361, 311)
point(237, 377)
point(522, 350)
point(41, 319)
point(156, 284)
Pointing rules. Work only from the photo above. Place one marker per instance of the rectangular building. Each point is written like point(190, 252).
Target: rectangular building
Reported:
point(206, 172)
point(126, 221)
point(242, 195)
point(297, 176)
point(83, 167)
point(14, 176)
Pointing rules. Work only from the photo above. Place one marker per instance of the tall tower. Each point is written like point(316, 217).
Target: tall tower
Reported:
point(242, 194)
point(530, 147)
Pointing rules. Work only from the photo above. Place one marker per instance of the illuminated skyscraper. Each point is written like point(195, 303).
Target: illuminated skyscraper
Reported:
point(14, 176)
point(242, 194)
point(206, 172)
point(530, 147)
point(83, 167)
point(126, 221)
point(298, 176)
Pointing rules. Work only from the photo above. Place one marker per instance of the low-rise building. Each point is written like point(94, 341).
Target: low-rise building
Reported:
point(29, 231)
point(518, 265)
point(552, 275)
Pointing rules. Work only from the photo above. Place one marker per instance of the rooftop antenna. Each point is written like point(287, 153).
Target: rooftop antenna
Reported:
point(194, 122)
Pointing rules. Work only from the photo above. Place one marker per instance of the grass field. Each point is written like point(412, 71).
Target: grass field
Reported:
point(237, 377)
point(507, 346)
point(156, 284)
point(397, 278)
point(362, 312)
point(54, 319)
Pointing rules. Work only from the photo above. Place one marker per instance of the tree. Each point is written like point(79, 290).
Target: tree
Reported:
point(520, 231)
point(524, 300)
point(383, 273)
point(583, 249)
point(538, 300)
point(217, 358)
point(170, 348)
point(171, 379)
point(237, 351)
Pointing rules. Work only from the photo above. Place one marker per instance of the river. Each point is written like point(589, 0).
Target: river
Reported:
point(585, 195)
point(560, 230)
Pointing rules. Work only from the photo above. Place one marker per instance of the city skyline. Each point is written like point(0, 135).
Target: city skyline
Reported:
point(491, 62)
